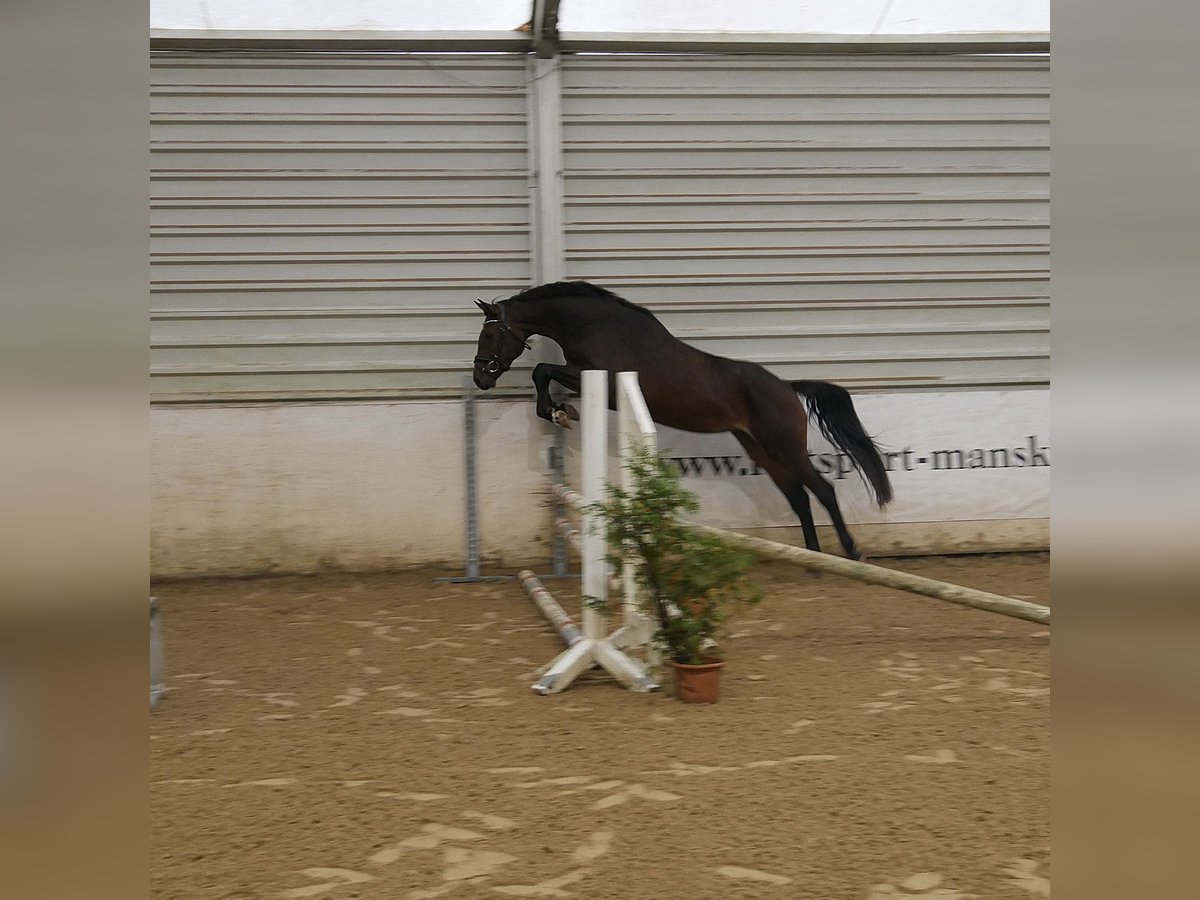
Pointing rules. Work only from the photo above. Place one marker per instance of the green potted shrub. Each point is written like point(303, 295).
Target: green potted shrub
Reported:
point(690, 581)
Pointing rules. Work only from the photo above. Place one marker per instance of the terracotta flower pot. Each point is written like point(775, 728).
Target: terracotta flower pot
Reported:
point(698, 684)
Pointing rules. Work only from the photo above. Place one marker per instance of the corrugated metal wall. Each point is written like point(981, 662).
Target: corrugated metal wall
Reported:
point(878, 221)
point(322, 222)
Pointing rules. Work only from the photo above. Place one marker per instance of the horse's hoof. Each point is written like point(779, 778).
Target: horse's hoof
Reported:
point(561, 418)
point(571, 411)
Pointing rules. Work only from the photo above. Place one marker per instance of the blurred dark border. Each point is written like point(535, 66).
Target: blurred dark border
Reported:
point(1126, 540)
point(73, 352)
point(73, 79)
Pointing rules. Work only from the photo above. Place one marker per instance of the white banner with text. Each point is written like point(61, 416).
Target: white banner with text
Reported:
point(955, 456)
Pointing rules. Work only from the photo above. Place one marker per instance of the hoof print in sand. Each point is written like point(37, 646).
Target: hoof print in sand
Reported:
point(740, 874)
point(921, 885)
point(334, 878)
point(937, 757)
point(1024, 874)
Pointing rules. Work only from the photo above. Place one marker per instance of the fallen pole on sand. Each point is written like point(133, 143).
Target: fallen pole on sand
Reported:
point(861, 571)
point(544, 600)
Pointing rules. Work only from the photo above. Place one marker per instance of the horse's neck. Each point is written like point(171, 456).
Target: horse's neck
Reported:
point(566, 322)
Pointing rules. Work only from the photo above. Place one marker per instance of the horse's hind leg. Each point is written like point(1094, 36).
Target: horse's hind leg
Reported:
point(825, 493)
point(790, 483)
point(782, 438)
point(798, 498)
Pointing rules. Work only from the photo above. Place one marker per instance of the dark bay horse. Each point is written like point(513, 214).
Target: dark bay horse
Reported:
point(685, 388)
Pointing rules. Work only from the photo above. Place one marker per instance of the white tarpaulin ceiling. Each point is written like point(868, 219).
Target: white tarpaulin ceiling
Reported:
point(746, 16)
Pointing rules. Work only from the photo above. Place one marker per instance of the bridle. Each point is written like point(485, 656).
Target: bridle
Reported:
point(494, 366)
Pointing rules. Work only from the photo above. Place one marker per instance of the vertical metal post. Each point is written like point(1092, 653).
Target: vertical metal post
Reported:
point(474, 556)
point(473, 562)
point(558, 475)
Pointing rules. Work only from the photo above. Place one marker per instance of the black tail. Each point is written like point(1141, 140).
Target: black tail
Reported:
point(831, 406)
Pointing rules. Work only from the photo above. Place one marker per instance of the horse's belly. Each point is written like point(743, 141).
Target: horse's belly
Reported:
point(700, 415)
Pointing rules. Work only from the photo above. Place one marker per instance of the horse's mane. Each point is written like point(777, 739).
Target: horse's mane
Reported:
point(583, 289)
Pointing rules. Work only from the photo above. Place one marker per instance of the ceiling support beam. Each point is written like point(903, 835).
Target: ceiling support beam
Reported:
point(543, 39)
point(544, 115)
point(545, 28)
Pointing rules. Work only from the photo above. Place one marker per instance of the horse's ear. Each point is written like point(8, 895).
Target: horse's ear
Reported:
point(489, 309)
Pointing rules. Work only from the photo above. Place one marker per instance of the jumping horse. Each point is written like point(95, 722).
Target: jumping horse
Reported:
point(685, 388)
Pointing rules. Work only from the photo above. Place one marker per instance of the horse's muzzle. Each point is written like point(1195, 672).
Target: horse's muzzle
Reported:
point(487, 371)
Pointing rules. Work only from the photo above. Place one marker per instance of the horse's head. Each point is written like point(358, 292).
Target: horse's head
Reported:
point(499, 345)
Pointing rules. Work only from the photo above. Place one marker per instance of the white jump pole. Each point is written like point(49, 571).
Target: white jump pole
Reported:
point(591, 647)
point(635, 431)
point(861, 571)
point(593, 473)
point(567, 629)
point(871, 574)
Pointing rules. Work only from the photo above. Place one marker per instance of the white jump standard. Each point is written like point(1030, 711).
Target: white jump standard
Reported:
point(589, 646)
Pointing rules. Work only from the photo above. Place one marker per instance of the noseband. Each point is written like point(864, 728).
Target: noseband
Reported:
point(493, 366)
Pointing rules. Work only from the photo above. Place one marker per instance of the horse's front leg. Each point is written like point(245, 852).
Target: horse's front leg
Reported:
point(558, 413)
